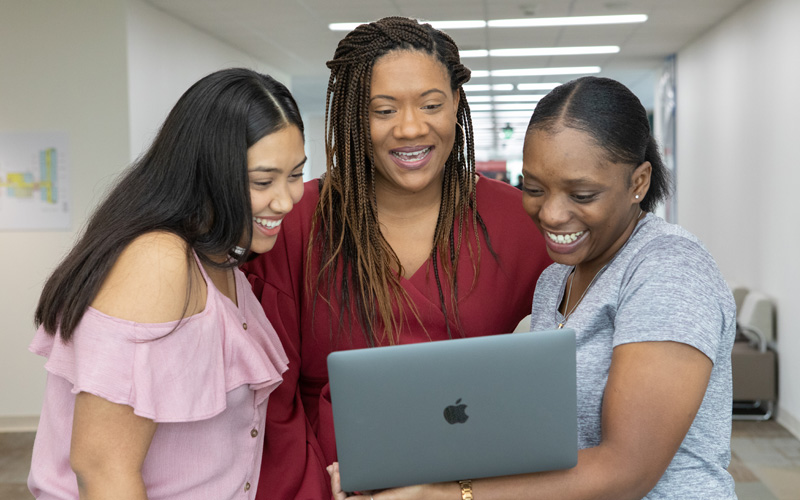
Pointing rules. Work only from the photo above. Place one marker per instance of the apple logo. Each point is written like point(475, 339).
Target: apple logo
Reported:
point(456, 414)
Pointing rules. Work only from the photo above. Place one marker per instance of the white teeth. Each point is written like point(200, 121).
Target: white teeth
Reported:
point(412, 156)
point(268, 223)
point(564, 238)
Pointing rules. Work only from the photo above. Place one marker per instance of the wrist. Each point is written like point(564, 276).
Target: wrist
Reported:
point(465, 486)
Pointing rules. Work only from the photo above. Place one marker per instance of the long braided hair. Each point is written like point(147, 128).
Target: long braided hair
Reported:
point(345, 224)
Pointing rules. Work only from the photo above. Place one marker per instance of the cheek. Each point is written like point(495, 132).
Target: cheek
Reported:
point(531, 205)
point(296, 192)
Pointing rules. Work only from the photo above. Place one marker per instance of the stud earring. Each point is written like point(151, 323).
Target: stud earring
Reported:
point(637, 197)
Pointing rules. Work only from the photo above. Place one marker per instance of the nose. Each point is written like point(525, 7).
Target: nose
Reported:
point(554, 211)
point(411, 125)
point(281, 202)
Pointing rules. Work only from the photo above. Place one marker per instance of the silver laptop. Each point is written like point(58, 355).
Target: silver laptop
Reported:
point(454, 409)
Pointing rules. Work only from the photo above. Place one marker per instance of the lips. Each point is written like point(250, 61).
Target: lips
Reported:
point(564, 242)
point(268, 226)
point(411, 157)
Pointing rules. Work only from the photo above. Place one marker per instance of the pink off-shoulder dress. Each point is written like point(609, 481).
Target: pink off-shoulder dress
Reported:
point(206, 383)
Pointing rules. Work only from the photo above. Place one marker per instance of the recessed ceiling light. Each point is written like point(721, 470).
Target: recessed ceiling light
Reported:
point(543, 51)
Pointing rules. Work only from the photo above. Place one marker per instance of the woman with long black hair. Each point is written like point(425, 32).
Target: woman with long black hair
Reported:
point(160, 359)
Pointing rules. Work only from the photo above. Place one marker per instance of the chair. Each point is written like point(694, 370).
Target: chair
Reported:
point(739, 293)
point(754, 360)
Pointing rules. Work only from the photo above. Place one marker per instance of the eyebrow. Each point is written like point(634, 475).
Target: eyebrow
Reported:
point(276, 169)
point(572, 182)
point(424, 94)
point(580, 180)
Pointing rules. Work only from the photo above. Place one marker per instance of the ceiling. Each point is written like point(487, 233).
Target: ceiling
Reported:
point(293, 36)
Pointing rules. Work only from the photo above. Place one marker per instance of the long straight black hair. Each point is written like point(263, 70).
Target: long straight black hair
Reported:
point(192, 182)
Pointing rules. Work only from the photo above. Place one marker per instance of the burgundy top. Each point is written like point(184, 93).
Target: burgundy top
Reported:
point(299, 433)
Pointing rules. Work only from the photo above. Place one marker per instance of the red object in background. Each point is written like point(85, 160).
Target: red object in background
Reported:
point(491, 166)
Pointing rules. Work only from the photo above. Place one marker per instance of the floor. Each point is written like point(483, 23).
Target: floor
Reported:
point(765, 462)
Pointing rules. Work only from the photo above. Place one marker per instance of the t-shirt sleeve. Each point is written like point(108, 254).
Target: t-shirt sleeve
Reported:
point(671, 292)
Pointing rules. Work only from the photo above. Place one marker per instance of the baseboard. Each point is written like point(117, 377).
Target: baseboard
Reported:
point(27, 423)
point(790, 422)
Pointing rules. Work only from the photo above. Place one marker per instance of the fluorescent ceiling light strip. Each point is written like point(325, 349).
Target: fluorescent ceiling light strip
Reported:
point(518, 98)
point(463, 54)
point(505, 98)
point(573, 70)
point(537, 86)
point(514, 106)
point(502, 106)
point(439, 25)
point(566, 21)
point(516, 23)
point(554, 51)
point(500, 115)
point(485, 88)
point(544, 51)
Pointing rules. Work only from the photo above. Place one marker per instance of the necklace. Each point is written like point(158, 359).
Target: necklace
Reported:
point(598, 273)
point(569, 292)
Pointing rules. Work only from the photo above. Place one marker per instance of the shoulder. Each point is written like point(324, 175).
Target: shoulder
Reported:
point(149, 281)
point(669, 262)
point(494, 192)
point(670, 247)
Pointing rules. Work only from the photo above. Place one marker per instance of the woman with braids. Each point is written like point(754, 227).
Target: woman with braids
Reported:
point(160, 359)
point(399, 242)
point(653, 317)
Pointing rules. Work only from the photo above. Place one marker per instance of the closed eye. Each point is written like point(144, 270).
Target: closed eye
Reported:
point(584, 198)
point(531, 191)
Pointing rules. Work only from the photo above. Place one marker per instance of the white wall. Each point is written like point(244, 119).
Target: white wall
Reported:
point(165, 57)
point(107, 73)
point(63, 69)
point(738, 168)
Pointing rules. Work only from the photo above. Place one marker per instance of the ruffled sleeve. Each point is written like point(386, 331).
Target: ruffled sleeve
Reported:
point(168, 372)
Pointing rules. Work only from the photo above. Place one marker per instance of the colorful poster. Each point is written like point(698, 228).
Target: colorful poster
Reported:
point(34, 188)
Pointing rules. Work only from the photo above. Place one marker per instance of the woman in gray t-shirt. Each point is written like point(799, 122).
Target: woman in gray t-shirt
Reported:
point(653, 316)
point(654, 320)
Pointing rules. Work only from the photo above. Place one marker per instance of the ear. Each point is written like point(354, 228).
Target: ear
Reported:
point(640, 181)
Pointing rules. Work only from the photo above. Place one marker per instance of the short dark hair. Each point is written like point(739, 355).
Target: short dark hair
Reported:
point(615, 118)
point(192, 182)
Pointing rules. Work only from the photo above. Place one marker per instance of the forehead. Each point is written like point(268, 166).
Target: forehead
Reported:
point(281, 147)
point(401, 71)
point(567, 153)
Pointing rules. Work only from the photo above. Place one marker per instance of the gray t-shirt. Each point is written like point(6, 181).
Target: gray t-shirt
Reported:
point(661, 286)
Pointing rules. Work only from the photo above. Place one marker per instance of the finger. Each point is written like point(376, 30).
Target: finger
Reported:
point(336, 485)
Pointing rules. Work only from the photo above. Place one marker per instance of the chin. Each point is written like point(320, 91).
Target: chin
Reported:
point(261, 246)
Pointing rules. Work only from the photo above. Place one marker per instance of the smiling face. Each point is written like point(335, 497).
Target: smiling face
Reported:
point(275, 169)
point(584, 204)
point(412, 119)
